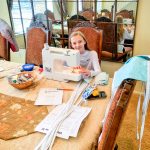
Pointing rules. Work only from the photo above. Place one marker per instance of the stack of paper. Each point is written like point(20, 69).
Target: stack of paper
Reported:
point(49, 96)
point(70, 126)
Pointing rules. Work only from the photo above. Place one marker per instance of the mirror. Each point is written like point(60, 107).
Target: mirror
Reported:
point(116, 18)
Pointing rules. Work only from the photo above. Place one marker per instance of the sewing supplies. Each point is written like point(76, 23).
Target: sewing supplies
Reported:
point(21, 80)
point(92, 92)
point(65, 89)
point(99, 95)
point(88, 91)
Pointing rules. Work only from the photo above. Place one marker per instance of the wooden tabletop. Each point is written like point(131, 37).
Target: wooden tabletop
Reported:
point(89, 131)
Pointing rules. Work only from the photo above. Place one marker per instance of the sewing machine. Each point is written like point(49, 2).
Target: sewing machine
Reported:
point(58, 63)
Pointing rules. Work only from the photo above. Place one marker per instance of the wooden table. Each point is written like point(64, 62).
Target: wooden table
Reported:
point(90, 129)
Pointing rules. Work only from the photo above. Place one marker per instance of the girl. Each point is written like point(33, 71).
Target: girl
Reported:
point(124, 33)
point(89, 63)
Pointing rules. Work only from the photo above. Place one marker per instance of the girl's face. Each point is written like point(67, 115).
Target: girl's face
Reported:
point(77, 43)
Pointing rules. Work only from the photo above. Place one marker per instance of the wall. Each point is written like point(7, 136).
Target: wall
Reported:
point(142, 40)
point(4, 11)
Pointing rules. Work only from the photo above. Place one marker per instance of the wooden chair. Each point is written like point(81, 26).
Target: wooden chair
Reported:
point(106, 13)
point(88, 14)
point(4, 48)
point(115, 115)
point(109, 46)
point(126, 13)
point(72, 23)
point(93, 36)
point(78, 18)
point(36, 37)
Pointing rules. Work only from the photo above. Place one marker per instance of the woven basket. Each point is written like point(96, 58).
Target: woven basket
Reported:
point(23, 84)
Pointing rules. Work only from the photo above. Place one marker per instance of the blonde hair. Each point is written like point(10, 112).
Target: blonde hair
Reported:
point(75, 33)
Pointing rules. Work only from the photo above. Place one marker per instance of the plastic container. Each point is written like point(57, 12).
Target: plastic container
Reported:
point(28, 67)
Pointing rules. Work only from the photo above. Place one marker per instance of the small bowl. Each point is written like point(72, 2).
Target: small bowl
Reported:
point(21, 80)
point(28, 67)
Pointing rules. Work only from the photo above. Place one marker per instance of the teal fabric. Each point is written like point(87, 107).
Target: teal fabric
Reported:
point(134, 68)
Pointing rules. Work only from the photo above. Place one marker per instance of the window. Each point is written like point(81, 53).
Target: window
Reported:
point(80, 6)
point(22, 12)
point(99, 6)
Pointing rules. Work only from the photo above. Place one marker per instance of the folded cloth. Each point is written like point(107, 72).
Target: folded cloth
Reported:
point(102, 78)
point(8, 34)
point(134, 68)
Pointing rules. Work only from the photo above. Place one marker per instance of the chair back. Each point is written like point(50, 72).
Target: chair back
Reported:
point(4, 48)
point(93, 36)
point(109, 36)
point(113, 119)
point(126, 13)
point(110, 42)
point(88, 14)
point(106, 13)
point(36, 37)
point(78, 18)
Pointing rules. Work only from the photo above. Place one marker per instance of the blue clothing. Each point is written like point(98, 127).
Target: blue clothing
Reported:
point(134, 68)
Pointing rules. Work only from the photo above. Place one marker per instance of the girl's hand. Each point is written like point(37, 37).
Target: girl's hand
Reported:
point(86, 73)
point(77, 67)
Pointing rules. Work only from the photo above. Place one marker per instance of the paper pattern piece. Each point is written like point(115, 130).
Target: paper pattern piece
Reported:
point(1, 69)
point(49, 96)
point(70, 126)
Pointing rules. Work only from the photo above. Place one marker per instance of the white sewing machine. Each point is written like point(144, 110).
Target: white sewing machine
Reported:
point(58, 63)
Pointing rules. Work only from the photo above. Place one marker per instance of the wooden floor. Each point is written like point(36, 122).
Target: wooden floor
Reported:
point(126, 139)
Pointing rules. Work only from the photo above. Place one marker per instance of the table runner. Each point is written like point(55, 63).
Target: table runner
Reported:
point(18, 117)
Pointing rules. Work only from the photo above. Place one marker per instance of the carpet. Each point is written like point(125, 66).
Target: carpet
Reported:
point(19, 117)
point(126, 138)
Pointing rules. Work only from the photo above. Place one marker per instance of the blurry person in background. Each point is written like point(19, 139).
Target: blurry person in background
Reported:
point(125, 34)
